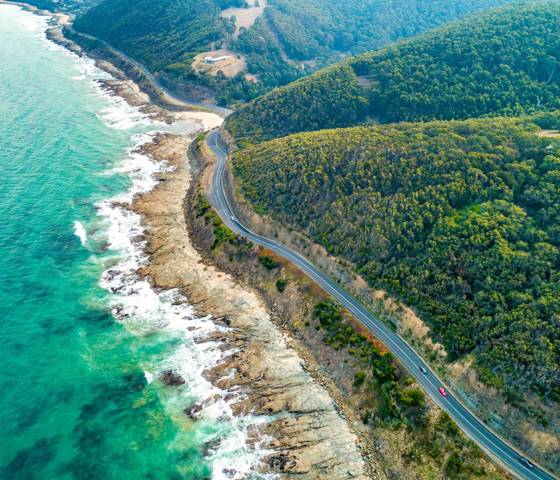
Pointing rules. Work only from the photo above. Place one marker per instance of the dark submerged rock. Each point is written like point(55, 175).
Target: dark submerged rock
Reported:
point(193, 410)
point(170, 378)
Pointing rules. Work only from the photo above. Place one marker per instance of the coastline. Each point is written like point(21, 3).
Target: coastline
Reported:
point(162, 150)
point(262, 376)
point(259, 378)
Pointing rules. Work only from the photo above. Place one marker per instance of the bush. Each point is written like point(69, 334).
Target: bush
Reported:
point(268, 262)
point(281, 284)
point(366, 416)
point(359, 378)
point(454, 465)
point(221, 232)
point(446, 425)
point(413, 397)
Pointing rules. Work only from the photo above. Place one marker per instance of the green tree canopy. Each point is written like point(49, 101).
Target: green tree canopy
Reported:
point(459, 218)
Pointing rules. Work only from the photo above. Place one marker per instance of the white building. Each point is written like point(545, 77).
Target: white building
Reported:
point(213, 60)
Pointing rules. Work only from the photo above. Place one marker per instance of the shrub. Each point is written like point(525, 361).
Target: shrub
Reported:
point(359, 378)
point(281, 284)
point(268, 262)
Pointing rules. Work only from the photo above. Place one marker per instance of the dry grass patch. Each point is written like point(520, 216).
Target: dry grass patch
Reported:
point(408, 321)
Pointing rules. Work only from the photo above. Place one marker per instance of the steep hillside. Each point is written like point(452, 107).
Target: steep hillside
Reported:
point(156, 33)
point(74, 6)
point(287, 40)
point(501, 62)
point(461, 219)
point(318, 28)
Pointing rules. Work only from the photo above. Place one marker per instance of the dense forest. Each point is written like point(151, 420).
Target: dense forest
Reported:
point(320, 28)
point(503, 62)
point(156, 33)
point(74, 6)
point(333, 98)
point(291, 39)
point(461, 219)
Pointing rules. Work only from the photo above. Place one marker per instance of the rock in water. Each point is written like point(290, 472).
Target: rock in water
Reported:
point(193, 410)
point(169, 377)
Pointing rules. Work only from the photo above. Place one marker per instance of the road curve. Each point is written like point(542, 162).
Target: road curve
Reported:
point(494, 446)
point(166, 96)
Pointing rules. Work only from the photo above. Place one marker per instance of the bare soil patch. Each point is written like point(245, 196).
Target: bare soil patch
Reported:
point(408, 321)
point(549, 133)
point(230, 66)
point(245, 17)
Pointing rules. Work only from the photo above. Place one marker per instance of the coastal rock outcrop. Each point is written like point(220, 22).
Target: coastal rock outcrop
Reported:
point(193, 410)
point(302, 431)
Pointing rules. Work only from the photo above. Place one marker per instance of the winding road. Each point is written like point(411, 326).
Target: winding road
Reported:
point(165, 95)
point(497, 448)
point(494, 446)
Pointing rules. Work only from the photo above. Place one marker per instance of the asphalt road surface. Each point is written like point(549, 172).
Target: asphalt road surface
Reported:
point(497, 448)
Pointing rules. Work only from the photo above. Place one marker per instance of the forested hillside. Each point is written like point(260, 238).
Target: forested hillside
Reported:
point(461, 219)
point(502, 62)
point(319, 28)
point(290, 39)
point(74, 6)
point(157, 33)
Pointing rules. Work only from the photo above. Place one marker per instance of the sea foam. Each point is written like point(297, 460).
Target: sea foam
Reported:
point(80, 231)
point(167, 314)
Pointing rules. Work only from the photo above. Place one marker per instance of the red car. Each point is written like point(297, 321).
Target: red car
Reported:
point(442, 391)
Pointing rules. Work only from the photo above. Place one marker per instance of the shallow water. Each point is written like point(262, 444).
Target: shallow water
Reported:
point(80, 395)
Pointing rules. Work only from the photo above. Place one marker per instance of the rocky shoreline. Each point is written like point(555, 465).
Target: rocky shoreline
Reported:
point(302, 432)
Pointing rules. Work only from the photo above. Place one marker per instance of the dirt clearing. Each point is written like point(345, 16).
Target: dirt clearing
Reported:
point(226, 61)
point(245, 17)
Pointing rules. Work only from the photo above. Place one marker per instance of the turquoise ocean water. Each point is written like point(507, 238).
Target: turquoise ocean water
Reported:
point(79, 389)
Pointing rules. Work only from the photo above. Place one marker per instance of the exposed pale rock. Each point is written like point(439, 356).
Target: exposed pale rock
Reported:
point(306, 435)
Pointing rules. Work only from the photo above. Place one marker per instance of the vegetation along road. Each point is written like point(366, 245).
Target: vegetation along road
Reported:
point(483, 436)
point(166, 96)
